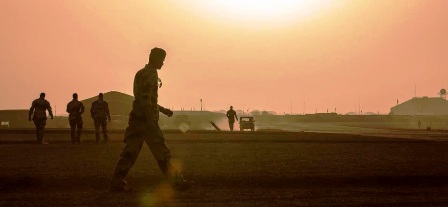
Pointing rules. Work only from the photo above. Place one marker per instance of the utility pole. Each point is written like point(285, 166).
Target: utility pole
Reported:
point(290, 104)
point(201, 106)
point(415, 90)
point(304, 108)
point(359, 106)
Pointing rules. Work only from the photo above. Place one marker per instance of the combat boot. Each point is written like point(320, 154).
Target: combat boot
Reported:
point(182, 184)
point(97, 137)
point(178, 182)
point(119, 186)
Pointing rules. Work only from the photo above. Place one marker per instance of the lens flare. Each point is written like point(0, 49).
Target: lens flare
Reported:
point(264, 11)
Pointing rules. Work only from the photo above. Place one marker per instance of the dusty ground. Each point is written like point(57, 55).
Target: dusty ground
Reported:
point(264, 169)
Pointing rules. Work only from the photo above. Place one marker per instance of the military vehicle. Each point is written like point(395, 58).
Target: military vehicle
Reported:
point(247, 122)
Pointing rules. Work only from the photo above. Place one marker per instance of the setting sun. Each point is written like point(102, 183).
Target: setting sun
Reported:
point(250, 11)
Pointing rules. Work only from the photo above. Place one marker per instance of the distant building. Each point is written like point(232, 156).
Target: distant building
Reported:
point(119, 103)
point(422, 106)
point(16, 118)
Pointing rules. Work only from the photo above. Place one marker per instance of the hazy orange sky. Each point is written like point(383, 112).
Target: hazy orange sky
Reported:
point(371, 52)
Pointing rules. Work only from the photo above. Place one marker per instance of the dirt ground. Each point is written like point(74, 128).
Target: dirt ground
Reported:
point(249, 169)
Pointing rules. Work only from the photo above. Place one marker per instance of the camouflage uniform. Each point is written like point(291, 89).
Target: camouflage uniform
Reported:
point(143, 127)
point(38, 111)
point(231, 114)
point(75, 109)
point(100, 113)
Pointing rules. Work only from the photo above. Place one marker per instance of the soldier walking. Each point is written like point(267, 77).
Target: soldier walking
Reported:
point(231, 115)
point(100, 115)
point(144, 127)
point(39, 116)
point(75, 109)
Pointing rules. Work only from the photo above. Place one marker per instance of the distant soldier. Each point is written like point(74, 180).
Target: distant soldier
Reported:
point(39, 116)
point(100, 115)
point(231, 115)
point(75, 109)
point(144, 127)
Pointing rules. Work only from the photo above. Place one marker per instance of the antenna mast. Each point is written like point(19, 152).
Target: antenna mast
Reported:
point(415, 90)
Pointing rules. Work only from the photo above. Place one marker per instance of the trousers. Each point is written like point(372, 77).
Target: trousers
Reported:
point(136, 134)
point(76, 129)
point(40, 128)
point(103, 124)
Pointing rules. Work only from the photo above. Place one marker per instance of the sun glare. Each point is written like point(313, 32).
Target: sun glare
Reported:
point(275, 11)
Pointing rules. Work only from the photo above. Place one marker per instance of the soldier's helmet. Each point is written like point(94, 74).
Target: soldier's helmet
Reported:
point(42, 95)
point(75, 96)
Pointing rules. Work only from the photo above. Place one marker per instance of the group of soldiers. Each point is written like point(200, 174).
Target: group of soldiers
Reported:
point(143, 124)
point(99, 113)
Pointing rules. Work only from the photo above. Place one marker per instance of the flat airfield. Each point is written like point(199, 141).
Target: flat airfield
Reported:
point(232, 169)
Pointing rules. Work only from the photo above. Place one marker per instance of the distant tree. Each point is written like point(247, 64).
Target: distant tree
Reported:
point(255, 112)
point(222, 111)
point(268, 113)
point(239, 112)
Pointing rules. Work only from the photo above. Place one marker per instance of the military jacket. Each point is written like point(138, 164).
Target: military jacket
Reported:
point(74, 109)
point(146, 93)
point(231, 114)
point(39, 107)
point(100, 110)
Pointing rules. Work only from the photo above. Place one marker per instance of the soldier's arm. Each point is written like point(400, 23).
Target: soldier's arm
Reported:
point(165, 111)
point(92, 110)
point(49, 110)
point(30, 113)
point(136, 84)
point(154, 88)
point(107, 111)
point(236, 116)
point(82, 108)
point(161, 108)
point(68, 109)
point(141, 90)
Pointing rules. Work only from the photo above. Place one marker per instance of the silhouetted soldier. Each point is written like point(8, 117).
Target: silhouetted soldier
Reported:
point(231, 115)
point(144, 127)
point(39, 116)
point(75, 109)
point(100, 115)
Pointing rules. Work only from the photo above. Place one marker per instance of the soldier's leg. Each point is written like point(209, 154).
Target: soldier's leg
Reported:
point(72, 131)
point(79, 131)
point(104, 128)
point(156, 143)
point(97, 130)
point(36, 124)
point(134, 142)
point(42, 123)
point(231, 125)
point(162, 154)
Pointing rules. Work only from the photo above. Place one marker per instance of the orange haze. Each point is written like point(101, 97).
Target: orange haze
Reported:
point(368, 53)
